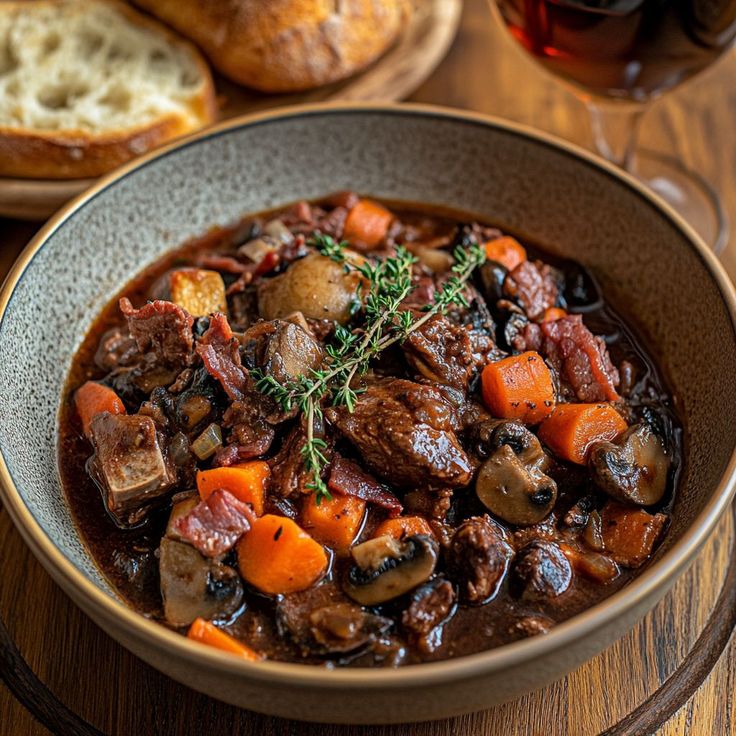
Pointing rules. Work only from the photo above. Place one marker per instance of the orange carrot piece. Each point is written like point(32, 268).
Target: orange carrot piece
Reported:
point(247, 482)
point(572, 428)
point(207, 633)
point(519, 387)
point(93, 398)
point(403, 526)
point(507, 251)
point(277, 556)
point(367, 224)
point(336, 522)
point(630, 533)
point(552, 314)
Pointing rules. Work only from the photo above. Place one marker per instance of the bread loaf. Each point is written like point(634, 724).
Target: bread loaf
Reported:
point(87, 84)
point(286, 45)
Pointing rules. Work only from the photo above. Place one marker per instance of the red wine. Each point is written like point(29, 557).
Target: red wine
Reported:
point(631, 49)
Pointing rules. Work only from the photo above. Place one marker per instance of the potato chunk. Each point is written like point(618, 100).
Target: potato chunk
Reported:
point(198, 291)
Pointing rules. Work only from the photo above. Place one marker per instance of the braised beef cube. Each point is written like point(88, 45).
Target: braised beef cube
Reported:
point(405, 433)
point(431, 605)
point(541, 571)
point(130, 464)
point(478, 558)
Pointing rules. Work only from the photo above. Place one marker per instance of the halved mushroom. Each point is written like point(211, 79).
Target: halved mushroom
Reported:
point(192, 585)
point(512, 483)
point(633, 469)
point(386, 568)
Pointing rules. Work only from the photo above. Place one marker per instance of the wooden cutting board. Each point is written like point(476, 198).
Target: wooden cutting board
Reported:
point(420, 48)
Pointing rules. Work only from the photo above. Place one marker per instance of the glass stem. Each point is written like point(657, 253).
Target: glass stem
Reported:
point(615, 129)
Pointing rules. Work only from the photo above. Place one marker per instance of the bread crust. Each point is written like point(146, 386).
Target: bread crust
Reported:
point(286, 45)
point(79, 154)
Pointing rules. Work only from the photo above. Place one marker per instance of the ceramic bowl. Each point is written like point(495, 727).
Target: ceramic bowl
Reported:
point(649, 262)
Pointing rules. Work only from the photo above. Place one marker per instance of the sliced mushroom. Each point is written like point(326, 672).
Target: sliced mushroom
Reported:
point(633, 469)
point(321, 620)
point(386, 568)
point(192, 585)
point(541, 571)
point(512, 483)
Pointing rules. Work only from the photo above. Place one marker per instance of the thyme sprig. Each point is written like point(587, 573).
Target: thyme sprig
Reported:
point(384, 285)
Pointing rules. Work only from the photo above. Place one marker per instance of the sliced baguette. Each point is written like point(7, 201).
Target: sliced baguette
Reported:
point(86, 85)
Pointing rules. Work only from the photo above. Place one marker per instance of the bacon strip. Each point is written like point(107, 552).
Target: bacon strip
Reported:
point(214, 525)
point(219, 351)
point(162, 328)
point(350, 479)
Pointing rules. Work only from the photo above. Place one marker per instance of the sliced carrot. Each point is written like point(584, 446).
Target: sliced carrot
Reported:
point(403, 526)
point(207, 633)
point(247, 482)
point(552, 314)
point(336, 522)
point(572, 428)
point(519, 387)
point(507, 251)
point(93, 398)
point(278, 556)
point(367, 224)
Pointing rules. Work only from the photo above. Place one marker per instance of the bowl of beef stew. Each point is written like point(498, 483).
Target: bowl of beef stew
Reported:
point(405, 406)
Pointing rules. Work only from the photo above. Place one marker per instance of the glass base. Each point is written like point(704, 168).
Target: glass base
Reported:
point(687, 192)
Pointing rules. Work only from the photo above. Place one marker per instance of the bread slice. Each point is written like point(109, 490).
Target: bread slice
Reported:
point(286, 45)
point(88, 84)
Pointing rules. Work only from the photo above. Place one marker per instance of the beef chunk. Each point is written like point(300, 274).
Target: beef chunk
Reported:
point(214, 525)
point(129, 464)
point(289, 477)
point(250, 434)
point(431, 604)
point(534, 285)
point(447, 353)
point(116, 349)
point(630, 533)
point(322, 620)
point(541, 571)
point(162, 329)
point(404, 432)
point(350, 479)
point(580, 358)
point(478, 558)
point(219, 350)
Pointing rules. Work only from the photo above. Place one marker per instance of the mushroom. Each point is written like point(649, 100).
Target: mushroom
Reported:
point(633, 469)
point(191, 584)
point(386, 568)
point(321, 620)
point(541, 571)
point(512, 483)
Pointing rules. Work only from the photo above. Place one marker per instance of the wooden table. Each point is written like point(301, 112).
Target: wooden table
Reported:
point(120, 695)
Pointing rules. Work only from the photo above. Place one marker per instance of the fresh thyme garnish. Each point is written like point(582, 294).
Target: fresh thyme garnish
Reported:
point(386, 283)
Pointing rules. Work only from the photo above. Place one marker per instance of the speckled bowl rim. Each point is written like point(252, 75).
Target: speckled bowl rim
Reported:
point(659, 574)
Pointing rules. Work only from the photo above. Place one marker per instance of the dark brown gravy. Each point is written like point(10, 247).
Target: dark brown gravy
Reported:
point(128, 560)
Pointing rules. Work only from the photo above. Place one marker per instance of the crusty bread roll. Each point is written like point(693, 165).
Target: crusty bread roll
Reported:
point(286, 45)
point(87, 84)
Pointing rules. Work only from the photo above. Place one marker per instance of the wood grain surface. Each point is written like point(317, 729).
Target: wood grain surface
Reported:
point(119, 695)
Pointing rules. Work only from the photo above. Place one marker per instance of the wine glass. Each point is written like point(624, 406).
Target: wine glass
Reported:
point(620, 54)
